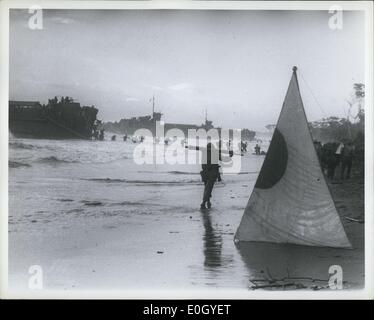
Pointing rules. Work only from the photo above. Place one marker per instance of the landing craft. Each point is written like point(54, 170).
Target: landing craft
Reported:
point(59, 119)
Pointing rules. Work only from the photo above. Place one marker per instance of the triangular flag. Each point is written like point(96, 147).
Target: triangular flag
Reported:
point(291, 201)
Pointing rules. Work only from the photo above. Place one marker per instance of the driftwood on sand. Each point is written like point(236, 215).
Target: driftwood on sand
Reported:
point(355, 220)
point(289, 282)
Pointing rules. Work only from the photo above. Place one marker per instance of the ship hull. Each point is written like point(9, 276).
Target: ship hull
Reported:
point(42, 129)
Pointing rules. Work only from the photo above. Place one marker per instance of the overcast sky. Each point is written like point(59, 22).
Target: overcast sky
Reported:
point(237, 64)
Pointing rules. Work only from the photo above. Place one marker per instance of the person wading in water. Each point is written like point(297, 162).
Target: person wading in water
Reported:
point(210, 170)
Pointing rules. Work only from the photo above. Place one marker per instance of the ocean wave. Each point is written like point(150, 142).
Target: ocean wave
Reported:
point(21, 145)
point(16, 164)
point(83, 160)
point(145, 182)
point(176, 172)
point(246, 172)
point(182, 172)
point(172, 172)
point(53, 159)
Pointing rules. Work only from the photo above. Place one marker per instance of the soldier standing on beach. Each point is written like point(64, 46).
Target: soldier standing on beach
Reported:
point(346, 160)
point(210, 170)
point(209, 174)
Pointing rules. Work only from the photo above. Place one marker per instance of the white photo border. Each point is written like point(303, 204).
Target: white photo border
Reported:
point(366, 293)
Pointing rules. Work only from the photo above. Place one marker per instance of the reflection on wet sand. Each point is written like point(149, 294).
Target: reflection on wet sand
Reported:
point(277, 261)
point(212, 240)
point(221, 265)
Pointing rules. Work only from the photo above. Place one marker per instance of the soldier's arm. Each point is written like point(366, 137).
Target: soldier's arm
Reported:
point(195, 148)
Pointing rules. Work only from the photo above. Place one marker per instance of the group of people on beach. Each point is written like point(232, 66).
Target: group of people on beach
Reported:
point(98, 134)
point(333, 154)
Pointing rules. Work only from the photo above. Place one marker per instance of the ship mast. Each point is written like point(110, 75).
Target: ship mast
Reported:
point(153, 106)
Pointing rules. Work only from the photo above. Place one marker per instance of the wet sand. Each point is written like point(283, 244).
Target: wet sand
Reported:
point(299, 267)
point(112, 234)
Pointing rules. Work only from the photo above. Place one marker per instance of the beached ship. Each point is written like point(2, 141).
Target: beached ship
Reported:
point(130, 125)
point(59, 119)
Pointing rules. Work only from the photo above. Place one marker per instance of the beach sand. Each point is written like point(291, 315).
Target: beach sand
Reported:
point(89, 229)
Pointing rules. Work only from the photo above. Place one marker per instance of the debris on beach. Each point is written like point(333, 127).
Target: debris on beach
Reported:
point(355, 220)
point(288, 282)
